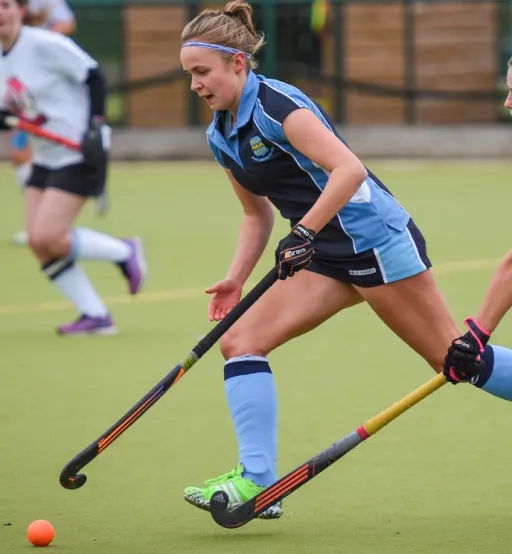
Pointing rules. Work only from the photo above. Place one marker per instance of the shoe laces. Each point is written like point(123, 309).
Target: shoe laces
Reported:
point(237, 472)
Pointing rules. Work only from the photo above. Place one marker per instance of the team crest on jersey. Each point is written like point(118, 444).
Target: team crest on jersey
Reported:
point(20, 101)
point(261, 152)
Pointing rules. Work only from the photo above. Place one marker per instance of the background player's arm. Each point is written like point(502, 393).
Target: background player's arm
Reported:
point(255, 229)
point(325, 149)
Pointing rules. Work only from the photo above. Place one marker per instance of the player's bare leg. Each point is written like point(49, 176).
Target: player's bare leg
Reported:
point(417, 312)
point(50, 216)
point(289, 309)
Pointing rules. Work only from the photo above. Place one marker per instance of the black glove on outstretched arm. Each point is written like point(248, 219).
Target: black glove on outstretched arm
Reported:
point(462, 362)
point(294, 252)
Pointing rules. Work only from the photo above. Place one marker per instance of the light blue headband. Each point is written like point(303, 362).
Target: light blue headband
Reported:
point(219, 47)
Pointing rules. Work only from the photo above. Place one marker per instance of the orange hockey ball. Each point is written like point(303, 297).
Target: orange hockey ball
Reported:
point(40, 532)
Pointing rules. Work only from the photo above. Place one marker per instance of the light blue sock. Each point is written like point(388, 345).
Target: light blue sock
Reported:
point(252, 399)
point(497, 378)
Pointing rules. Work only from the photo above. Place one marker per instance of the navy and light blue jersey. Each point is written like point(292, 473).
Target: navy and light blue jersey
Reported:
point(264, 162)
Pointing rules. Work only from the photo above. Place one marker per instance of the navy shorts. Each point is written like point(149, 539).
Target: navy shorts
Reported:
point(402, 255)
point(80, 179)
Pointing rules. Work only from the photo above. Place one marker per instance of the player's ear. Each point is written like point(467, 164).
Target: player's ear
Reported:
point(239, 62)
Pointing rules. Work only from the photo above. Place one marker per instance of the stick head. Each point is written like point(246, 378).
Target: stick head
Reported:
point(72, 483)
point(227, 517)
point(219, 502)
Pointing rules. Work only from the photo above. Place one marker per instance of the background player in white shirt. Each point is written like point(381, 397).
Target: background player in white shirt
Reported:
point(54, 15)
point(46, 79)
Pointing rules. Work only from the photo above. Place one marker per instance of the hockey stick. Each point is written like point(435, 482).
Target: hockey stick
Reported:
point(243, 513)
point(102, 201)
point(70, 478)
point(17, 123)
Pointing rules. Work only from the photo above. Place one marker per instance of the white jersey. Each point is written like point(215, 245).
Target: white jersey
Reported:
point(57, 11)
point(42, 79)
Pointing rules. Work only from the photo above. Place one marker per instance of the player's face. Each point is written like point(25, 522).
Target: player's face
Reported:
point(219, 82)
point(11, 16)
point(508, 101)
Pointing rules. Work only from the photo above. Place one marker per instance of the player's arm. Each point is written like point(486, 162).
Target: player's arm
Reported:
point(320, 145)
point(255, 229)
point(498, 298)
point(96, 140)
point(346, 174)
point(97, 87)
point(462, 359)
point(63, 55)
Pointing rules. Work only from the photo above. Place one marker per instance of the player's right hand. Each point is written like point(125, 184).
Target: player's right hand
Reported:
point(226, 295)
point(294, 252)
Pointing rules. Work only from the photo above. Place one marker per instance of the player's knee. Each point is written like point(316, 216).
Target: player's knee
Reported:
point(37, 243)
point(228, 345)
point(45, 242)
point(235, 343)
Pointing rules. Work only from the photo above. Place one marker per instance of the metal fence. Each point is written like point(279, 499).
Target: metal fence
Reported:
point(366, 61)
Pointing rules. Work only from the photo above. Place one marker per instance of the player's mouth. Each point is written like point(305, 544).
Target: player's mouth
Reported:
point(208, 98)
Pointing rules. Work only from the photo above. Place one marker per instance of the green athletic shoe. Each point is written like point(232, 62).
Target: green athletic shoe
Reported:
point(239, 489)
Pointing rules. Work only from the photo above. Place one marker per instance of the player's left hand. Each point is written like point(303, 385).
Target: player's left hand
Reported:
point(96, 143)
point(462, 362)
point(294, 252)
point(225, 296)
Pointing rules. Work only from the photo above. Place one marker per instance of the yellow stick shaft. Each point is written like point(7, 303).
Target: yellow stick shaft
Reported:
point(377, 422)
